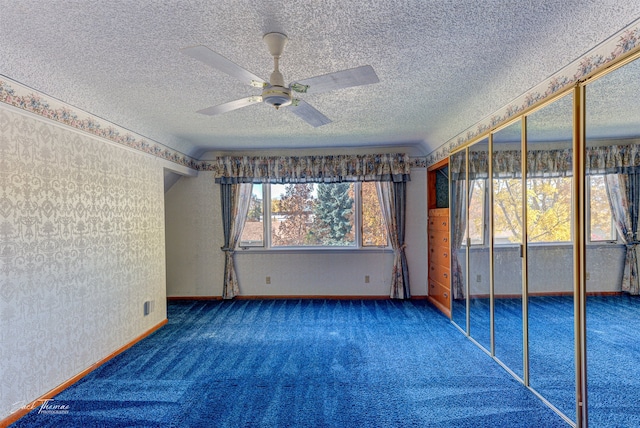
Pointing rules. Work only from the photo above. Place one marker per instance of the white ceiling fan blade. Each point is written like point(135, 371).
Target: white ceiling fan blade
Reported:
point(217, 61)
point(309, 114)
point(231, 105)
point(363, 75)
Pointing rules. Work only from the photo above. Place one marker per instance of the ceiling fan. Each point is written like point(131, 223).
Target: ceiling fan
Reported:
point(274, 92)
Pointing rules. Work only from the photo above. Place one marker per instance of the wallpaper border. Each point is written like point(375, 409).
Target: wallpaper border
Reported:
point(619, 45)
point(22, 97)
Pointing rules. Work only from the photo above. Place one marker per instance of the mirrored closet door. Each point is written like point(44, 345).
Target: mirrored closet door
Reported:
point(458, 228)
point(507, 246)
point(477, 246)
point(549, 255)
point(547, 248)
point(612, 104)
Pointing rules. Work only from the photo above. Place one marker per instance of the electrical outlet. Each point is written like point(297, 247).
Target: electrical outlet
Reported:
point(148, 307)
point(366, 279)
point(268, 280)
point(587, 276)
point(478, 278)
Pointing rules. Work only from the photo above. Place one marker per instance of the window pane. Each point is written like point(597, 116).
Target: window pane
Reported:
point(507, 214)
point(601, 220)
point(476, 213)
point(374, 232)
point(549, 209)
point(310, 214)
point(253, 232)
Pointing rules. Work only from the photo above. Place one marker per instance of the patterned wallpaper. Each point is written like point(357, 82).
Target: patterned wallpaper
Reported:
point(81, 249)
point(20, 96)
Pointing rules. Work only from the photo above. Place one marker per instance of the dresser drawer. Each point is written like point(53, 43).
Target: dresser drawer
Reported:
point(438, 223)
point(438, 212)
point(439, 293)
point(439, 274)
point(438, 238)
point(439, 255)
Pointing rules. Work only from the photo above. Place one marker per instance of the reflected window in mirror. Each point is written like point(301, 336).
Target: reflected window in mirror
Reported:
point(601, 225)
point(477, 219)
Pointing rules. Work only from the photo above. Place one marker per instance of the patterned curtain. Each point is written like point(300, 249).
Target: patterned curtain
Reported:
point(623, 191)
point(394, 167)
point(392, 198)
point(235, 200)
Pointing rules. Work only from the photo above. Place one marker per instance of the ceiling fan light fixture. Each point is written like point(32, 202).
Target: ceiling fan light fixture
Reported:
point(277, 96)
point(276, 93)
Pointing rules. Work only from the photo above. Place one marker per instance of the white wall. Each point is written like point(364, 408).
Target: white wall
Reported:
point(549, 266)
point(195, 262)
point(81, 250)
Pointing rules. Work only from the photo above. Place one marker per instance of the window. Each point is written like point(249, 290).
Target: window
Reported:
point(253, 232)
point(476, 213)
point(507, 210)
point(601, 225)
point(345, 215)
point(548, 210)
point(374, 231)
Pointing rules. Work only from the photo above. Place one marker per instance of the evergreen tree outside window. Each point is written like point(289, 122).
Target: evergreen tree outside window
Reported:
point(333, 215)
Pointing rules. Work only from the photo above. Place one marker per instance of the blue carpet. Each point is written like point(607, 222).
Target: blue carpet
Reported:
point(300, 363)
point(613, 351)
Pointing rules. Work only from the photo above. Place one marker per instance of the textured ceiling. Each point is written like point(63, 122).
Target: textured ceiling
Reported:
point(443, 65)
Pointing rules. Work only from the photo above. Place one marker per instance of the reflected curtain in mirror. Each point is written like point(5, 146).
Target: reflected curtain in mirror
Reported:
point(457, 168)
point(621, 166)
point(623, 191)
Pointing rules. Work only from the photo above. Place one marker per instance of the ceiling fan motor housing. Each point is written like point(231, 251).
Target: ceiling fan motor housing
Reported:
point(276, 95)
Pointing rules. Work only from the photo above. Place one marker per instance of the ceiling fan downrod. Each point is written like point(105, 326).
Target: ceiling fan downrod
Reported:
point(276, 93)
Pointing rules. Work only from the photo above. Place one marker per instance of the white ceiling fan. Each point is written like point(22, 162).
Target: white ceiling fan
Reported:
point(274, 92)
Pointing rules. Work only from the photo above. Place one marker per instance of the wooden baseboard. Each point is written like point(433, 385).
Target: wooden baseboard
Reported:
point(310, 296)
point(57, 390)
point(291, 297)
point(548, 294)
point(194, 298)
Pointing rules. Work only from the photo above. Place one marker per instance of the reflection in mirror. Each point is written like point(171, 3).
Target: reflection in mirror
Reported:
point(613, 304)
point(550, 254)
point(479, 285)
point(507, 240)
point(458, 226)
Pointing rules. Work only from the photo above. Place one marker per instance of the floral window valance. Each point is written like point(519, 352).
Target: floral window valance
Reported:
point(307, 169)
point(613, 159)
point(549, 163)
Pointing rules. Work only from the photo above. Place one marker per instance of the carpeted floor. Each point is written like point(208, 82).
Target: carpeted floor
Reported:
point(300, 363)
point(613, 351)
